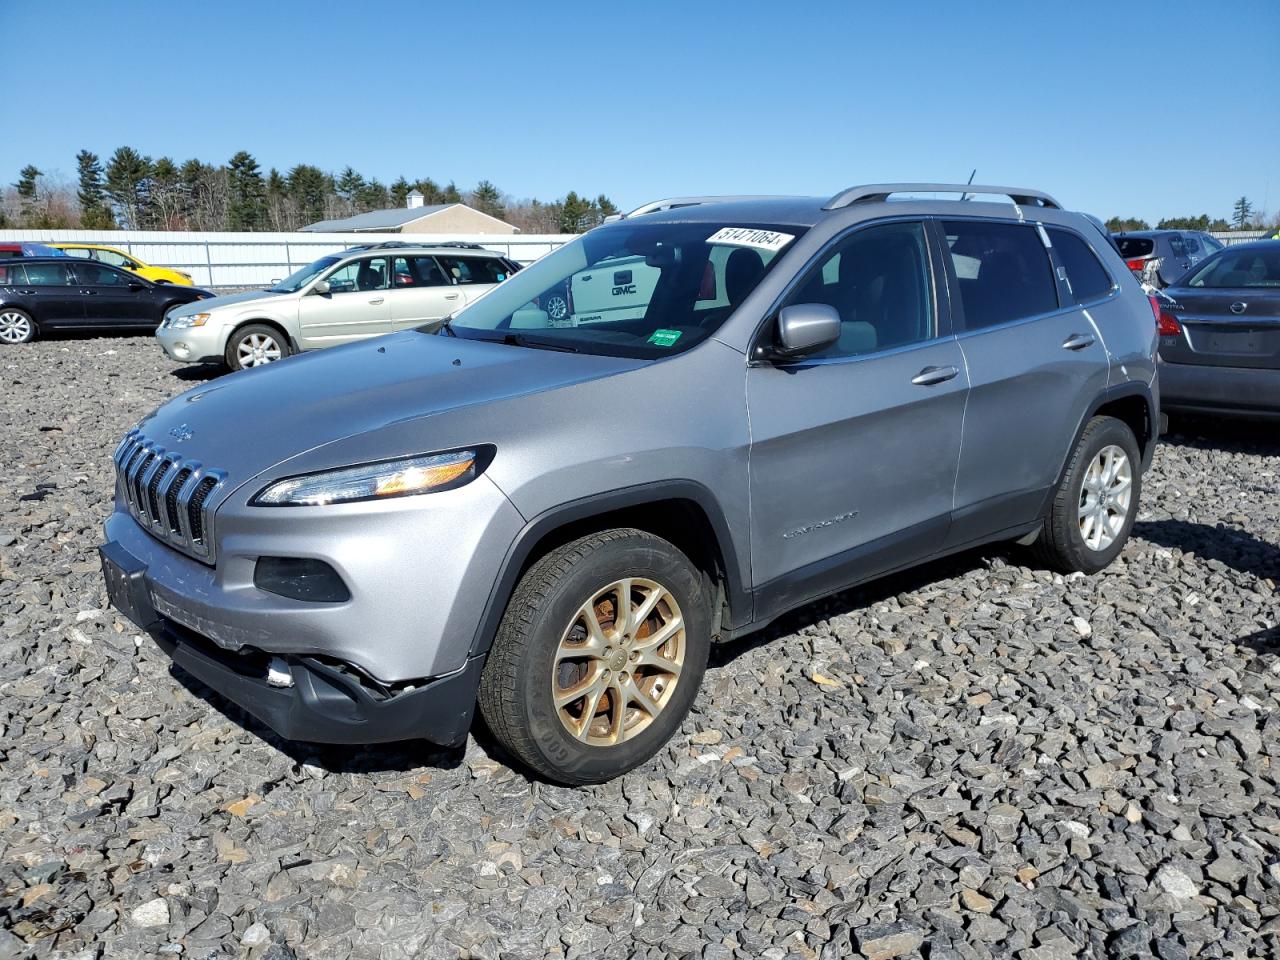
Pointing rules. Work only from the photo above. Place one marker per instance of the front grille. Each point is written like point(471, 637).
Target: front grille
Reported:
point(168, 494)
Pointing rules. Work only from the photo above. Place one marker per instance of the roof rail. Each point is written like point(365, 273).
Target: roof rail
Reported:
point(672, 203)
point(390, 244)
point(879, 192)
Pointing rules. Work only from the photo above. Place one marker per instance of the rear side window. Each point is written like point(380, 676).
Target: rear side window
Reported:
point(417, 272)
point(1176, 245)
point(1003, 271)
point(1086, 277)
point(82, 252)
point(475, 269)
point(95, 274)
point(48, 275)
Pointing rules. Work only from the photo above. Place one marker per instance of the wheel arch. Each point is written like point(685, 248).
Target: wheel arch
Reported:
point(683, 512)
point(1132, 403)
point(262, 321)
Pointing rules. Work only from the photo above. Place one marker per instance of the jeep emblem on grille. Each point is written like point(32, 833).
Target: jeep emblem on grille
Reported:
point(181, 432)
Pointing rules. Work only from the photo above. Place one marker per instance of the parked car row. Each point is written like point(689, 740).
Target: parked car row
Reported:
point(63, 293)
point(554, 521)
point(96, 251)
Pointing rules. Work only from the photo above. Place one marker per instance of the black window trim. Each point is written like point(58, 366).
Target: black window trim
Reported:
point(1083, 304)
point(962, 331)
point(943, 322)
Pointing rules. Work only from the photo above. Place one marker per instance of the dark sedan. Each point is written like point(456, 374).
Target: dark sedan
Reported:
point(1220, 334)
point(64, 293)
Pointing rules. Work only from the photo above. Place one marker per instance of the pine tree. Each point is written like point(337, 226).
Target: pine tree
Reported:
point(488, 199)
point(128, 186)
point(246, 205)
point(430, 190)
point(1242, 214)
point(399, 192)
point(372, 195)
point(94, 214)
point(29, 193)
point(450, 194)
point(605, 206)
point(309, 187)
point(575, 213)
point(348, 185)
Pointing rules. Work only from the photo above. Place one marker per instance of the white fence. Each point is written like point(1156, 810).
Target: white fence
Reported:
point(256, 259)
point(1229, 237)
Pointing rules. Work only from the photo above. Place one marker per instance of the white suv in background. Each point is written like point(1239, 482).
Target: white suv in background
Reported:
point(361, 292)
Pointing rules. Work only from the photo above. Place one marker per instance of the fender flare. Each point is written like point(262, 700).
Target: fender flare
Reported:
point(575, 511)
point(1133, 388)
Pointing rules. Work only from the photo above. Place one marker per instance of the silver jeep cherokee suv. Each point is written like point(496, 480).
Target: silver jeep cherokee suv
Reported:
point(555, 520)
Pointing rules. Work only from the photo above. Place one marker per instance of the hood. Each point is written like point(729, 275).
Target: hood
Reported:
point(231, 299)
point(247, 422)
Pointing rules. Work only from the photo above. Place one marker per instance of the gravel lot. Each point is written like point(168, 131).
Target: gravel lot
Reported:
point(975, 759)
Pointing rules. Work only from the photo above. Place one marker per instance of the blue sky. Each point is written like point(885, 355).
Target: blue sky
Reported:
point(1114, 107)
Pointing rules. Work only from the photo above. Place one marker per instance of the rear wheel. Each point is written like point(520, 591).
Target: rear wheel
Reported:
point(1095, 505)
point(255, 345)
point(16, 326)
point(599, 656)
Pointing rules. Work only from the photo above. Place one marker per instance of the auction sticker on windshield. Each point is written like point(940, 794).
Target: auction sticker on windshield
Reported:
point(751, 237)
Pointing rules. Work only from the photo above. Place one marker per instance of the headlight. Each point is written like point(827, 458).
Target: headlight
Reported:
point(190, 320)
point(374, 481)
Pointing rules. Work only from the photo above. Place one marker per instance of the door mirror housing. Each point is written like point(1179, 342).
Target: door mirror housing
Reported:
point(321, 287)
point(805, 328)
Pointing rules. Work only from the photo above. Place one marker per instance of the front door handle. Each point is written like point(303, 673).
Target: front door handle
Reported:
point(931, 375)
point(376, 300)
point(1078, 341)
point(451, 296)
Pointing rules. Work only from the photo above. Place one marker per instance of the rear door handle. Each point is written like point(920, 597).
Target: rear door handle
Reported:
point(376, 300)
point(451, 296)
point(1078, 341)
point(931, 375)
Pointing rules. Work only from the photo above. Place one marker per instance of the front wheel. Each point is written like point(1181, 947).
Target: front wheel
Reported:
point(1096, 502)
point(599, 656)
point(16, 326)
point(255, 345)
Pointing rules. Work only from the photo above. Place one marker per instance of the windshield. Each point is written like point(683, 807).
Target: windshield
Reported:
point(1239, 267)
point(300, 278)
point(629, 290)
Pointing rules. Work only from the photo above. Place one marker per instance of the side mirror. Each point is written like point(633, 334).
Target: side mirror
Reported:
point(321, 287)
point(805, 328)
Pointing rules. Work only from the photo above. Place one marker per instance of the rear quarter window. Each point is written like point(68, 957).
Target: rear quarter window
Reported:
point(12, 274)
point(1085, 274)
point(476, 269)
point(1003, 271)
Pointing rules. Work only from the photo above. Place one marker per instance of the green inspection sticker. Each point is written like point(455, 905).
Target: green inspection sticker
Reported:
point(664, 338)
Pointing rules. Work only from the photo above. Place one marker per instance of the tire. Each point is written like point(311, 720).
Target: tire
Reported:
point(256, 345)
point(536, 653)
point(1094, 507)
point(16, 326)
point(557, 307)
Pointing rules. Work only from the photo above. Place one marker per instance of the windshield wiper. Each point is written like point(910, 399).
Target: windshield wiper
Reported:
point(520, 340)
point(447, 327)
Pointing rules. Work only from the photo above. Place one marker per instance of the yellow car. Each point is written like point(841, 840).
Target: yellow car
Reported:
point(118, 258)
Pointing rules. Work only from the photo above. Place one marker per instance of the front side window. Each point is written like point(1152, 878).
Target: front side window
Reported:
point(1086, 277)
point(113, 258)
point(417, 272)
point(630, 289)
point(878, 281)
point(48, 274)
point(98, 275)
point(475, 269)
point(359, 276)
point(300, 278)
point(1003, 271)
point(1238, 267)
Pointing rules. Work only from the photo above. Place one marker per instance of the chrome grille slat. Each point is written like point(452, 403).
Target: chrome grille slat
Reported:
point(170, 497)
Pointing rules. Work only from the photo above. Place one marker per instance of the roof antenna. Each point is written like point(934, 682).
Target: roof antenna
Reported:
point(972, 174)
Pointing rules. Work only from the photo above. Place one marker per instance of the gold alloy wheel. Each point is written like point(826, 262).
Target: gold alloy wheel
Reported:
point(618, 662)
